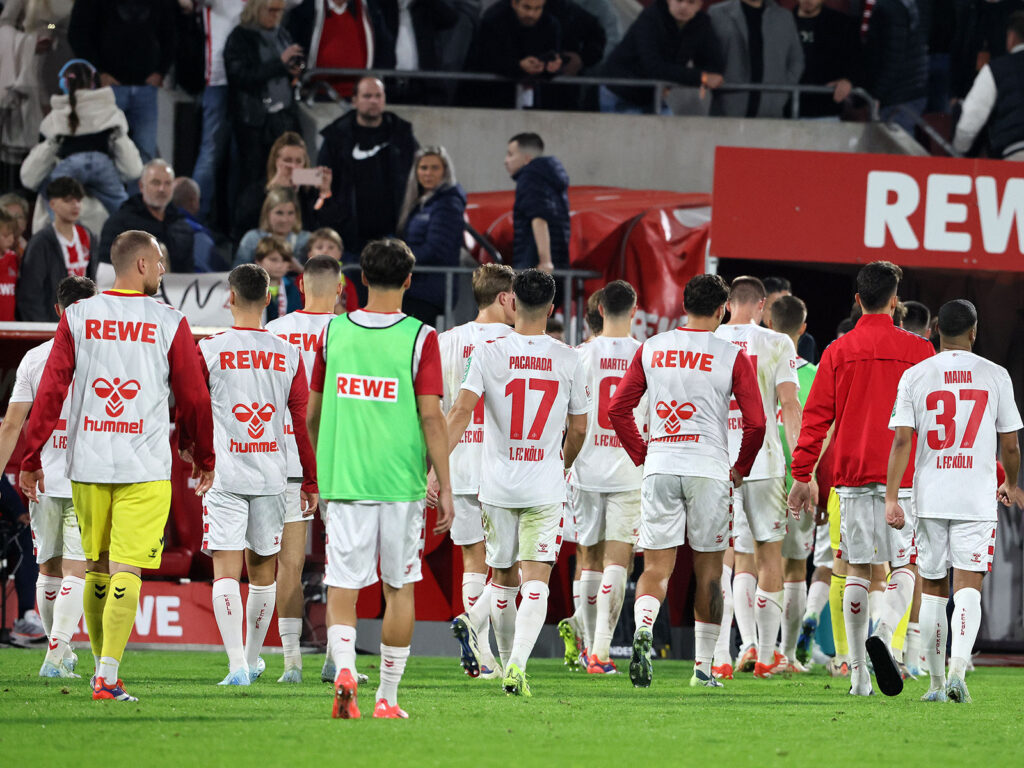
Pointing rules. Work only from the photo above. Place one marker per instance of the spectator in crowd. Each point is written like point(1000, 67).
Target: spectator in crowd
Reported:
point(281, 218)
point(262, 64)
point(996, 100)
point(431, 223)
point(608, 18)
point(555, 328)
point(131, 43)
point(47, 21)
point(9, 264)
point(326, 242)
point(583, 48)
point(370, 152)
point(188, 198)
point(414, 25)
point(18, 207)
point(343, 34)
point(941, 36)
point(60, 249)
point(979, 31)
point(19, 553)
point(151, 211)
point(761, 45)
point(832, 56)
point(896, 59)
point(540, 214)
point(775, 287)
point(454, 43)
point(275, 256)
point(671, 40)
point(917, 319)
point(85, 136)
point(286, 155)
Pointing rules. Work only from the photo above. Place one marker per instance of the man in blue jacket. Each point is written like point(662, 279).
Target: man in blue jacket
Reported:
point(540, 215)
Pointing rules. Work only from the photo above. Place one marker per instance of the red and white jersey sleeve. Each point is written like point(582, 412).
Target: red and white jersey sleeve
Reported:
point(456, 347)
point(530, 385)
point(302, 330)
point(55, 451)
point(250, 373)
point(958, 403)
point(603, 464)
point(775, 359)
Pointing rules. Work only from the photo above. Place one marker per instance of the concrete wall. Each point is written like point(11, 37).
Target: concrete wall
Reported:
point(637, 152)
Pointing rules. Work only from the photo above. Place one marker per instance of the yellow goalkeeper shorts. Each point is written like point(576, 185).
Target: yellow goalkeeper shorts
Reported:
point(127, 520)
point(833, 519)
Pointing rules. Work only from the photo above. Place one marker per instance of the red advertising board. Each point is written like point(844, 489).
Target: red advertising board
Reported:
point(941, 213)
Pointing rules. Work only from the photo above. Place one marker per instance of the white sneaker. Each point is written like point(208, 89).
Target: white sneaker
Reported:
point(258, 670)
point(935, 694)
point(28, 630)
point(860, 683)
point(291, 675)
point(55, 670)
point(328, 673)
point(239, 677)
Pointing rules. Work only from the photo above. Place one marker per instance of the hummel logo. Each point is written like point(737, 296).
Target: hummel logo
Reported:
point(534, 595)
point(50, 595)
point(762, 602)
point(118, 592)
point(53, 644)
point(388, 663)
point(606, 590)
point(472, 601)
point(101, 590)
point(502, 604)
point(592, 600)
point(65, 591)
point(854, 607)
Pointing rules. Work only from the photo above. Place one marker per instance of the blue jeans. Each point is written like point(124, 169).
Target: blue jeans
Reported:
point(96, 172)
point(611, 102)
point(138, 102)
point(893, 114)
point(213, 145)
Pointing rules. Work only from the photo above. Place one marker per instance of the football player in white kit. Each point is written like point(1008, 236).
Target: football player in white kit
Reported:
point(690, 376)
point(55, 535)
point(321, 284)
point(530, 383)
point(760, 505)
point(492, 290)
point(255, 379)
point(962, 408)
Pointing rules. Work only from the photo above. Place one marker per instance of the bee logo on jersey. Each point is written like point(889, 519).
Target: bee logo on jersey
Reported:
point(255, 415)
point(116, 394)
point(674, 414)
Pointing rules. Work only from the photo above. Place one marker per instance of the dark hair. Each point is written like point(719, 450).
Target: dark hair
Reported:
point(387, 262)
point(489, 280)
point(917, 317)
point(788, 314)
point(74, 288)
point(704, 294)
point(529, 142)
point(877, 283)
point(1015, 23)
point(534, 289)
point(77, 76)
point(746, 290)
point(554, 325)
point(618, 298)
point(64, 186)
point(957, 317)
point(846, 325)
point(594, 318)
point(250, 283)
point(321, 265)
point(776, 285)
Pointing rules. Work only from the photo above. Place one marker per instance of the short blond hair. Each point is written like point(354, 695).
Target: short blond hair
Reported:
point(269, 245)
point(489, 280)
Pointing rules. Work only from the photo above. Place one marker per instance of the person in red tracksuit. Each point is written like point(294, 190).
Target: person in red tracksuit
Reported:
point(856, 387)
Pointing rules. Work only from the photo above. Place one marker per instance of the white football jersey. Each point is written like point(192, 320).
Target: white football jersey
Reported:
point(689, 386)
point(55, 453)
point(251, 373)
point(958, 403)
point(774, 358)
point(603, 464)
point(456, 346)
point(302, 330)
point(530, 385)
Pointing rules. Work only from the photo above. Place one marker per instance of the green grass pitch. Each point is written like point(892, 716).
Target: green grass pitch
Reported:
point(184, 719)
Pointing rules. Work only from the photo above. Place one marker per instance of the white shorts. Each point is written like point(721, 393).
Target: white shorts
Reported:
point(967, 545)
point(468, 526)
point(798, 543)
point(232, 522)
point(864, 538)
point(823, 555)
point(674, 509)
point(363, 534)
point(293, 504)
point(528, 533)
point(606, 516)
point(55, 530)
point(759, 513)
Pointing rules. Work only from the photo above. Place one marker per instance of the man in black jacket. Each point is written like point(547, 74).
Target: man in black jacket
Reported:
point(369, 151)
point(151, 211)
point(832, 56)
point(540, 214)
point(896, 60)
point(420, 49)
point(131, 44)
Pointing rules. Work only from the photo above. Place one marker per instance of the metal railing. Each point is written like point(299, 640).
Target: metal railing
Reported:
point(316, 86)
point(928, 129)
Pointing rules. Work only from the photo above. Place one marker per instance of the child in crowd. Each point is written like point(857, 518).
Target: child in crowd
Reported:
point(8, 265)
point(326, 242)
point(275, 256)
point(280, 218)
point(18, 207)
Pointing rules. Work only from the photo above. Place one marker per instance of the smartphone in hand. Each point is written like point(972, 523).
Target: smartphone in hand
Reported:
point(307, 177)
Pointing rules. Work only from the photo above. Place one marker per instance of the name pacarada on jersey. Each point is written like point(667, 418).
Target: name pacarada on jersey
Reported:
point(529, 363)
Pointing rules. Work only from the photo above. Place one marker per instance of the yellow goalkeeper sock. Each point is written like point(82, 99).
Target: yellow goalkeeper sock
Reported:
point(97, 587)
point(899, 636)
point(835, 606)
point(119, 614)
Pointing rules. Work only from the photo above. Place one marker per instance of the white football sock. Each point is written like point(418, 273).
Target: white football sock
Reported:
point(107, 669)
point(392, 667)
point(705, 635)
point(590, 585)
point(898, 596)
point(645, 611)
point(856, 617)
point(227, 608)
point(577, 598)
point(609, 605)
point(964, 628)
point(67, 613)
point(290, 631)
point(474, 585)
point(768, 615)
point(503, 618)
point(341, 639)
point(912, 645)
point(723, 651)
point(932, 621)
point(817, 599)
point(876, 607)
point(259, 610)
point(793, 604)
point(743, 587)
point(47, 588)
point(533, 608)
